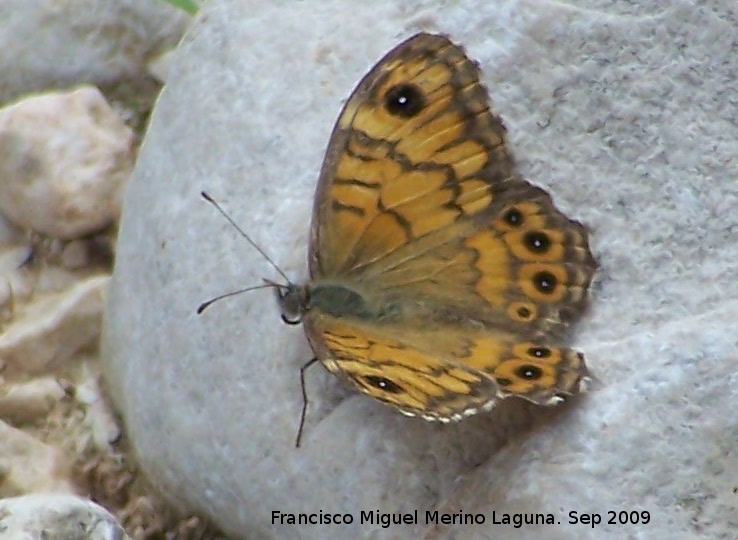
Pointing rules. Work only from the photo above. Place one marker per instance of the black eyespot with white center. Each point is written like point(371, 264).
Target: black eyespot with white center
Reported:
point(545, 282)
point(404, 100)
point(513, 217)
point(537, 242)
point(383, 384)
point(539, 352)
point(530, 373)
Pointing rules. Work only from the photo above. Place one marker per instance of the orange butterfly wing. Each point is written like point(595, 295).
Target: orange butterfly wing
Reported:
point(438, 272)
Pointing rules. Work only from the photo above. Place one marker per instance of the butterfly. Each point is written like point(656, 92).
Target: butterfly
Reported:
point(440, 278)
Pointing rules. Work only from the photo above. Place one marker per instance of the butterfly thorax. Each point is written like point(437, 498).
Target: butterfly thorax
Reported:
point(347, 302)
point(331, 298)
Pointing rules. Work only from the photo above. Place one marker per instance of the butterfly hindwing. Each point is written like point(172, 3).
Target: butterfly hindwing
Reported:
point(446, 377)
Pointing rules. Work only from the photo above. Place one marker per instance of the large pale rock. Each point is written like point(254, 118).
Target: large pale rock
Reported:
point(46, 45)
point(625, 113)
point(64, 159)
point(56, 516)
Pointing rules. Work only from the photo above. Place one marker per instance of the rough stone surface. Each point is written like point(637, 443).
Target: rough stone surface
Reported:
point(30, 400)
point(29, 465)
point(55, 516)
point(624, 111)
point(64, 159)
point(100, 42)
point(52, 329)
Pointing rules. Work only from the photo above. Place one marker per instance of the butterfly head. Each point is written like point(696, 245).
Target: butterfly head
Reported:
point(293, 301)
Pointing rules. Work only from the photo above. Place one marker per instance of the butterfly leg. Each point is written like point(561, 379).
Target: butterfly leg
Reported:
point(303, 413)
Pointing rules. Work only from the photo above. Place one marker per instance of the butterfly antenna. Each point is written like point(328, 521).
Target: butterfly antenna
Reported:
point(303, 413)
point(226, 215)
point(205, 305)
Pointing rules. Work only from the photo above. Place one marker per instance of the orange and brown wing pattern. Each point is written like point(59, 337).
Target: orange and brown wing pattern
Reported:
point(415, 149)
point(520, 265)
point(547, 268)
point(438, 272)
point(444, 378)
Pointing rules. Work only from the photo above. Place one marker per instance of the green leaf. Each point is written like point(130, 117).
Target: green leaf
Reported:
point(190, 6)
